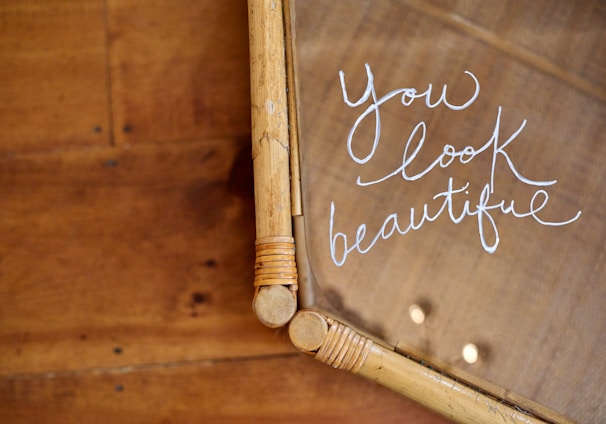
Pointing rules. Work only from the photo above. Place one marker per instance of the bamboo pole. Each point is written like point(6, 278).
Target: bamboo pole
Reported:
point(275, 269)
point(293, 118)
point(340, 346)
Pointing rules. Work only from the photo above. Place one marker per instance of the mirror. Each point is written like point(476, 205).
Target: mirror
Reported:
point(452, 171)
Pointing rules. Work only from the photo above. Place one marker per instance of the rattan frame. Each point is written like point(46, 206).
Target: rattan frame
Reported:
point(278, 285)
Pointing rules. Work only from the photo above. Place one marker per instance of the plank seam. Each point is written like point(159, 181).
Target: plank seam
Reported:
point(127, 369)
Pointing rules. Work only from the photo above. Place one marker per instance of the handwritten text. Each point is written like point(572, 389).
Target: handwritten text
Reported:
point(483, 210)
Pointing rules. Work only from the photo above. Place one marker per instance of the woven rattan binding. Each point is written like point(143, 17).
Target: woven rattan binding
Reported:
point(343, 348)
point(275, 262)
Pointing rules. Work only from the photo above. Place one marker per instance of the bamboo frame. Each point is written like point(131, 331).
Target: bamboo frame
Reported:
point(277, 203)
point(275, 300)
point(341, 346)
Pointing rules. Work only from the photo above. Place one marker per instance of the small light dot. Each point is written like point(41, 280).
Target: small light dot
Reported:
point(417, 314)
point(470, 353)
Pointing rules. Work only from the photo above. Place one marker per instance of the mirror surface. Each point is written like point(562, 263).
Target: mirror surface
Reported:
point(452, 166)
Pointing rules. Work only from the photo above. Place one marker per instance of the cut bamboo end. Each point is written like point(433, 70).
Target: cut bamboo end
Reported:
point(275, 305)
point(307, 331)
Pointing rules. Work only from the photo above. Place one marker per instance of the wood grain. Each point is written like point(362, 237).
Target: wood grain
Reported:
point(179, 70)
point(143, 250)
point(288, 388)
point(53, 90)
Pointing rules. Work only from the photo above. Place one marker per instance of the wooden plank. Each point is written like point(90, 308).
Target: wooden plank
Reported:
point(54, 80)
point(179, 70)
point(128, 256)
point(290, 389)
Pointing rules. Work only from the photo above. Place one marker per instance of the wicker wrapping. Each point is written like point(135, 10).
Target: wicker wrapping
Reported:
point(275, 262)
point(344, 348)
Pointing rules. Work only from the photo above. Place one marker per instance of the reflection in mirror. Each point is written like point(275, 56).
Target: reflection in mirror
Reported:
point(453, 151)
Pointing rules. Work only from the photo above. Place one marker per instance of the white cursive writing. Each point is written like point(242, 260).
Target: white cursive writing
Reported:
point(483, 209)
point(408, 95)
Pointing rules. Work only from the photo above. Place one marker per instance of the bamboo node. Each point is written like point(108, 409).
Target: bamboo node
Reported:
point(275, 262)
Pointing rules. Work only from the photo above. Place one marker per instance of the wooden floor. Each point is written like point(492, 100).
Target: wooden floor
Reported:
point(127, 227)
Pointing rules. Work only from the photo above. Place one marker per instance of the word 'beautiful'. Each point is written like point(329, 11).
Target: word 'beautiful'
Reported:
point(341, 247)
